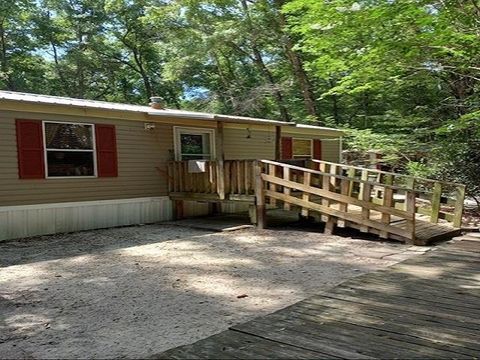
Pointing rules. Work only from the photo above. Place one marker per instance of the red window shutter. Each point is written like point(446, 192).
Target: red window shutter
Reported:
point(31, 161)
point(287, 148)
point(317, 149)
point(106, 142)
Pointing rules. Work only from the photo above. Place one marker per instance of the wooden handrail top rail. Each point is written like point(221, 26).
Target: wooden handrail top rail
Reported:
point(338, 197)
point(347, 166)
point(388, 173)
point(341, 177)
point(213, 161)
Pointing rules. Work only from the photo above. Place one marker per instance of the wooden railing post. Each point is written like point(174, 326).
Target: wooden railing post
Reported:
point(388, 180)
point(411, 208)
point(343, 206)
point(351, 174)
point(333, 179)
point(178, 171)
point(187, 179)
point(307, 181)
point(213, 177)
point(410, 185)
point(246, 177)
point(239, 176)
point(259, 196)
point(272, 170)
point(221, 179)
point(366, 194)
point(206, 179)
point(388, 202)
point(325, 201)
point(435, 202)
point(363, 177)
point(286, 189)
point(459, 200)
point(379, 180)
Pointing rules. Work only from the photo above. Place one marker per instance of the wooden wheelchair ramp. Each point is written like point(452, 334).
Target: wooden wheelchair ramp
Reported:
point(393, 206)
point(390, 205)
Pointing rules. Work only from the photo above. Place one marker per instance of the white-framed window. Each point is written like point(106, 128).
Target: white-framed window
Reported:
point(69, 150)
point(302, 148)
point(194, 143)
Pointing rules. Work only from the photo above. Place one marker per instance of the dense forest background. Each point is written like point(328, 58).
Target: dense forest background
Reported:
point(402, 76)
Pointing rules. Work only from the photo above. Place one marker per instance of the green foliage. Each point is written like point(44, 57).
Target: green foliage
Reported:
point(402, 77)
point(457, 154)
point(396, 149)
point(419, 169)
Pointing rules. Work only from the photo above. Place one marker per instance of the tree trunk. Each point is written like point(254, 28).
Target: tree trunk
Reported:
point(143, 73)
point(335, 108)
point(66, 87)
point(285, 116)
point(366, 108)
point(258, 60)
point(297, 65)
point(225, 96)
point(81, 88)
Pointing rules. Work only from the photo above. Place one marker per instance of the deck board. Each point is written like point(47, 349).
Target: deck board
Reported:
point(425, 231)
point(425, 307)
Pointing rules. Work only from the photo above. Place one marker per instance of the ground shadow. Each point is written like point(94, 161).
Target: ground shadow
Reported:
point(140, 290)
point(425, 307)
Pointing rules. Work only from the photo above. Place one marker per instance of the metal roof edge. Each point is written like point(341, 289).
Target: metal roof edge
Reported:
point(321, 128)
point(249, 120)
point(21, 97)
point(182, 115)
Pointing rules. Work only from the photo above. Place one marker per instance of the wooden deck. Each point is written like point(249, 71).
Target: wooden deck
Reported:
point(425, 231)
point(390, 205)
point(425, 307)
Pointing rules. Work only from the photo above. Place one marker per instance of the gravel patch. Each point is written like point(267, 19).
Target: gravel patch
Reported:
point(137, 291)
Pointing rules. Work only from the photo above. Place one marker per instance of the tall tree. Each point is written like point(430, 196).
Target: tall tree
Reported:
point(20, 67)
point(297, 62)
point(69, 31)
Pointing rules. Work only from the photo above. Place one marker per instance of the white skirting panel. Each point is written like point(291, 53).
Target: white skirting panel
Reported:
point(43, 219)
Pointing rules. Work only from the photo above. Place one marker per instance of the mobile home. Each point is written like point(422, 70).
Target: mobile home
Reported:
point(70, 164)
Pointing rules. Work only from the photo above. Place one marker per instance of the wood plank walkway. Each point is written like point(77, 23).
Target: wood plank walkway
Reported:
point(425, 307)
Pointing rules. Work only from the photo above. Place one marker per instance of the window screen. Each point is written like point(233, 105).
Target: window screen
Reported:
point(302, 148)
point(69, 149)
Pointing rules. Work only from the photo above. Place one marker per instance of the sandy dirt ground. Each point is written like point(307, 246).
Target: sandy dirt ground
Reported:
point(137, 291)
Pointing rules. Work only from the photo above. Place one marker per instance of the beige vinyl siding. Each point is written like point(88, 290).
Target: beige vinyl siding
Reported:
point(331, 150)
point(259, 145)
point(330, 144)
point(140, 152)
point(142, 157)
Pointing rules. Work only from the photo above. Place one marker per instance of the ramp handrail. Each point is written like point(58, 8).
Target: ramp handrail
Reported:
point(237, 180)
point(331, 195)
point(436, 199)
